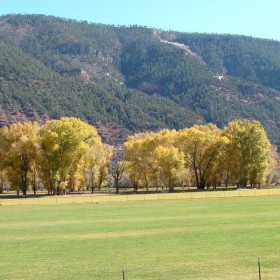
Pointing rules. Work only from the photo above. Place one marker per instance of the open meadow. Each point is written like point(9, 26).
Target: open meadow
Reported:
point(209, 238)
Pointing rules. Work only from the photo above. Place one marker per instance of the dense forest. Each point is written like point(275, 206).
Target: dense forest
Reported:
point(132, 79)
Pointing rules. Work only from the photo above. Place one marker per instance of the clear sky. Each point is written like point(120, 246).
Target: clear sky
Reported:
point(257, 18)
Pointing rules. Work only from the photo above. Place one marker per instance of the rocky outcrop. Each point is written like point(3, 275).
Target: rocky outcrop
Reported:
point(73, 48)
point(85, 76)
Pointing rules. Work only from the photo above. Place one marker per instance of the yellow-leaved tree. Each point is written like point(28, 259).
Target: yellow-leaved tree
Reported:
point(170, 164)
point(152, 160)
point(62, 144)
point(93, 167)
point(19, 153)
point(136, 169)
point(249, 150)
point(200, 145)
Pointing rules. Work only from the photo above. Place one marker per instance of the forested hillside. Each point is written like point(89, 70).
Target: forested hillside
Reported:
point(133, 79)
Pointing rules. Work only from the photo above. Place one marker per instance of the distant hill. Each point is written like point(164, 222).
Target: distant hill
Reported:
point(129, 79)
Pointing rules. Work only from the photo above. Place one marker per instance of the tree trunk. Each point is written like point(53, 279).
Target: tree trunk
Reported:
point(135, 188)
point(117, 185)
point(24, 170)
point(24, 183)
point(197, 179)
point(34, 187)
point(24, 191)
point(202, 184)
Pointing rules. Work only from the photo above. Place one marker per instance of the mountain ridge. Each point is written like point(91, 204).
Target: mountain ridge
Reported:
point(132, 79)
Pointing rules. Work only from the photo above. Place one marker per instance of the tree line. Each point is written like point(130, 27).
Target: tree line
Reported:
point(202, 155)
point(68, 154)
point(61, 154)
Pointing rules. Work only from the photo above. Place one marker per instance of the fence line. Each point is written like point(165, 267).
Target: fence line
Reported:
point(72, 199)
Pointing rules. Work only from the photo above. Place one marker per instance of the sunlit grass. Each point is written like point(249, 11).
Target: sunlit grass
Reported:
point(215, 238)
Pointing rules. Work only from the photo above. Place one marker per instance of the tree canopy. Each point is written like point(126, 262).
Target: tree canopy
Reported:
point(203, 154)
point(54, 153)
point(68, 154)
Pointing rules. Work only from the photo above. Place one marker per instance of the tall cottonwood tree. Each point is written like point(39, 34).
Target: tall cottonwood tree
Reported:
point(93, 167)
point(200, 145)
point(139, 153)
point(152, 160)
point(249, 149)
point(62, 143)
point(170, 164)
point(133, 154)
point(19, 152)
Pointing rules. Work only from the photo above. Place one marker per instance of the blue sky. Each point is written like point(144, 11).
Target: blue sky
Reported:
point(257, 18)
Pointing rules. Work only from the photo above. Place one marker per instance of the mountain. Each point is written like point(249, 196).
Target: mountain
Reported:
point(131, 79)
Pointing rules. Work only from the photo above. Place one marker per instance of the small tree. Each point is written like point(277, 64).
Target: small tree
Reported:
point(117, 167)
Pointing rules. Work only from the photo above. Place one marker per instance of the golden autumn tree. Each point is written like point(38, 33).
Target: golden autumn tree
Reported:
point(93, 167)
point(170, 164)
point(152, 160)
point(19, 153)
point(62, 143)
point(139, 154)
point(133, 155)
point(249, 150)
point(200, 145)
point(217, 171)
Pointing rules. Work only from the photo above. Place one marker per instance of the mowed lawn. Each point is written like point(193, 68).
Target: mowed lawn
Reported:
point(214, 238)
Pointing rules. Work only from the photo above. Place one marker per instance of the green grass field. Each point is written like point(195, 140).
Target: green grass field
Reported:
point(213, 238)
